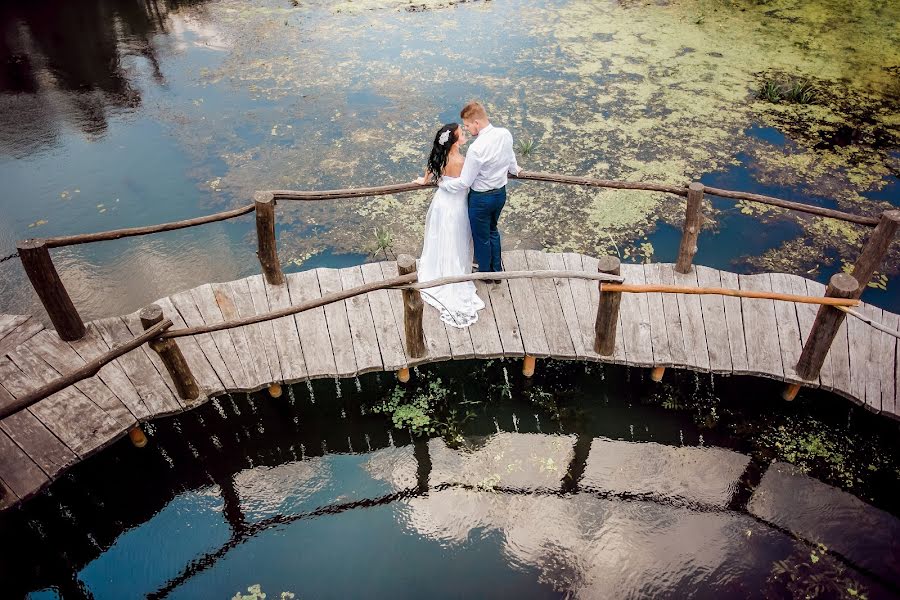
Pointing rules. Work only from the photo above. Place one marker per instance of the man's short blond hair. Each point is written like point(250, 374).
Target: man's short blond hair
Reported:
point(473, 110)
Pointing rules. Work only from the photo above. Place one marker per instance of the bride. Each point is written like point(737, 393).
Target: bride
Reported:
point(448, 236)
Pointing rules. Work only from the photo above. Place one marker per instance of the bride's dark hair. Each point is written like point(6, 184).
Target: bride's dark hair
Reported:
point(439, 152)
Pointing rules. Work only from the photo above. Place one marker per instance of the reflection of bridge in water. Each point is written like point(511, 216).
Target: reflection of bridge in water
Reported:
point(64, 397)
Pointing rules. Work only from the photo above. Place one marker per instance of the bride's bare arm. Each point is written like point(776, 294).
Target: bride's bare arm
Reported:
point(425, 180)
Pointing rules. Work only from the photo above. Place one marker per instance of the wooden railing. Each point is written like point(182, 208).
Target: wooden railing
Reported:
point(843, 289)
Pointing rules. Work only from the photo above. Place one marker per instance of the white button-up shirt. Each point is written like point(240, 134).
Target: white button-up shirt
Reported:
point(488, 161)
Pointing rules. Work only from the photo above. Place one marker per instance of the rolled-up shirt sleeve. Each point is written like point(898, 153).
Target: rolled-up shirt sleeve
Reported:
point(513, 164)
point(467, 177)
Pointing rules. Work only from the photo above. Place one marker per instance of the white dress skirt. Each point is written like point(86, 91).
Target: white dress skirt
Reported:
point(447, 251)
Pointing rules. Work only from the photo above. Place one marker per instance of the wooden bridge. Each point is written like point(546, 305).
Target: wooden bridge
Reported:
point(66, 395)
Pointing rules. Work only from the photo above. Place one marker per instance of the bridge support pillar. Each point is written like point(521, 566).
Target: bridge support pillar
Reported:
point(403, 375)
point(607, 310)
point(267, 250)
point(693, 219)
point(275, 390)
point(171, 356)
point(825, 327)
point(137, 437)
point(790, 391)
point(528, 366)
point(656, 374)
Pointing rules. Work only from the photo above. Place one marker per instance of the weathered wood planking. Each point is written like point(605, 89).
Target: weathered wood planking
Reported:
point(8, 323)
point(267, 329)
point(20, 477)
point(390, 340)
point(806, 315)
point(184, 304)
point(505, 318)
point(235, 302)
point(226, 340)
point(338, 324)
point(659, 336)
point(79, 423)
point(567, 301)
point(788, 328)
point(665, 274)
point(254, 362)
point(839, 354)
point(734, 322)
point(887, 353)
point(760, 330)
point(311, 325)
point(145, 378)
point(525, 303)
point(692, 322)
point(287, 339)
point(395, 297)
point(485, 335)
point(203, 371)
point(33, 437)
point(362, 326)
point(861, 340)
point(19, 335)
point(714, 321)
point(634, 316)
point(556, 330)
point(63, 359)
point(585, 310)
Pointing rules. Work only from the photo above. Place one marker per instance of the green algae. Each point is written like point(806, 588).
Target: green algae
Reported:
point(349, 94)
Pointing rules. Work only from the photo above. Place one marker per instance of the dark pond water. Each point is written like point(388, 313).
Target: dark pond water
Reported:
point(117, 114)
point(586, 481)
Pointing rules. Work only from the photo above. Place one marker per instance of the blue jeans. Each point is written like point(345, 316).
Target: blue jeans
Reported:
point(484, 212)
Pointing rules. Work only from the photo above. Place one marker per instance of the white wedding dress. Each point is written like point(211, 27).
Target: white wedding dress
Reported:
point(448, 251)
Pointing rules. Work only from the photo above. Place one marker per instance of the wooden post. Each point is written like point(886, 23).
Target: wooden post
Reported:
point(265, 237)
point(412, 311)
point(35, 257)
point(657, 374)
point(607, 310)
point(403, 375)
point(693, 219)
point(876, 248)
point(825, 327)
point(137, 437)
point(275, 390)
point(171, 355)
point(528, 366)
point(790, 391)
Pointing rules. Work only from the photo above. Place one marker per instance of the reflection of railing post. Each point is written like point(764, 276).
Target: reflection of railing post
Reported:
point(267, 250)
point(412, 310)
point(693, 219)
point(876, 248)
point(825, 327)
point(35, 257)
point(171, 356)
point(607, 309)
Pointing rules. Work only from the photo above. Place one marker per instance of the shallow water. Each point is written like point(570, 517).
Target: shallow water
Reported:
point(586, 481)
point(119, 114)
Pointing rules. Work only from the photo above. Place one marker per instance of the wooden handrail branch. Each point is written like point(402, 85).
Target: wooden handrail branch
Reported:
point(678, 190)
point(401, 282)
point(115, 234)
point(798, 206)
point(88, 370)
point(640, 288)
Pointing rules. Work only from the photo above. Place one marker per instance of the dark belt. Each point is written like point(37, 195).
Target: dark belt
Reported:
point(499, 189)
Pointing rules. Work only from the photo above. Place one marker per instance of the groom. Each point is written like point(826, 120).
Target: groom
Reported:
point(488, 161)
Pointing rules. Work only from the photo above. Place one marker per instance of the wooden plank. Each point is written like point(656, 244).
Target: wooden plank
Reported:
point(461, 346)
point(38, 442)
point(204, 374)
point(8, 323)
point(557, 262)
point(887, 355)
point(659, 336)
point(19, 474)
point(760, 329)
point(714, 322)
point(311, 325)
point(806, 315)
point(788, 329)
point(79, 423)
point(287, 338)
point(436, 341)
point(187, 309)
point(692, 322)
point(393, 354)
point(133, 328)
point(505, 316)
point(92, 346)
point(62, 359)
point(635, 320)
point(226, 340)
point(864, 360)
point(252, 358)
point(257, 288)
point(362, 326)
point(395, 298)
point(674, 326)
point(525, 303)
point(585, 310)
point(20, 335)
point(556, 330)
point(485, 336)
point(338, 324)
point(839, 353)
point(734, 322)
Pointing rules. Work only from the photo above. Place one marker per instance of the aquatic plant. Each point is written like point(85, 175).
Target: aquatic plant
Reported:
point(801, 92)
point(526, 146)
point(770, 92)
point(255, 593)
point(384, 243)
point(813, 575)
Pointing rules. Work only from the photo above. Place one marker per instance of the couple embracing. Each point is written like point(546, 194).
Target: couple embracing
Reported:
point(461, 222)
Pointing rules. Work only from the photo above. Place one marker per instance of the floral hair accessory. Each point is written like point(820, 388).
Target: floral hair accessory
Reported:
point(444, 137)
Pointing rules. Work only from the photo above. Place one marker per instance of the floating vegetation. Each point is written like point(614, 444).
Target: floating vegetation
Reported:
point(797, 92)
point(384, 243)
point(526, 146)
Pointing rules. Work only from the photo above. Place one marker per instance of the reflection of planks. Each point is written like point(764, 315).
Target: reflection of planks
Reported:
point(543, 318)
